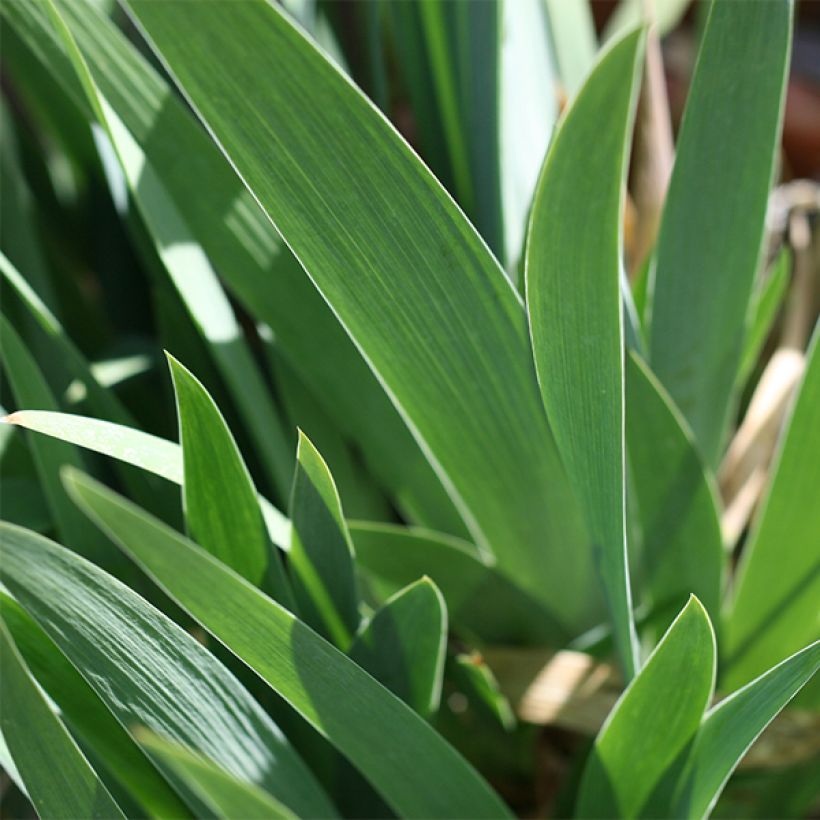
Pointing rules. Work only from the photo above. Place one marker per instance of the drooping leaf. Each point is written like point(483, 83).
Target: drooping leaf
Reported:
point(403, 643)
point(321, 552)
point(156, 455)
point(225, 794)
point(57, 776)
point(221, 504)
point(654, 720)
point(87, 716)
point(411, 293)
point(481, 600)
point(708, 247)
point(242, 246)
point(730, 728)
point(774, 608)
point(573, 284)
point(682, 547)
point(150, 672)
point(411, 766)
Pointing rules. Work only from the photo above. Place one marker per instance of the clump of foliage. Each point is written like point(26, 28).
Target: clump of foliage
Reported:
point(404, 442)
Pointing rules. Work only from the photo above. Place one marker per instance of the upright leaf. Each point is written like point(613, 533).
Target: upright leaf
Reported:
point(403, 645)
point(777, 587)
point(422, 298)
point(709, 245)
point(221, 504)
point(411, 766)
point(57, 776)
point(321, 552)
point(574, 299)
point(682, 548)
point(150, 672)
point(654, 720)
point(574, 41)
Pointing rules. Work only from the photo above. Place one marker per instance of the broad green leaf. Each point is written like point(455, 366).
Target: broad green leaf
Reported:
point(425, 302)
point(226, 795)
point(481, 601)
point(403, 645)
point(151, 453)
point(573, 289)
point(708, 247)
point(221, 504)
point(87, 716)
point(191, 273)
point(764, 308)
point(58, 778)
point(30, 389)
point(411, 766)
point(730, 728)
point(321, 560)
point(150, 672)
point(654, 720)
point(682, 547)
point(774, 608)
point(573, 40)
point(241, 244)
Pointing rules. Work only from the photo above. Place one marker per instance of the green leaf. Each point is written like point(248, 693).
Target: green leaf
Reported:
point(412, 293)
point(777, 586)
point(151, 453)
point(242, 245)
point(150, 672)
point(764, 309)
point(481, 600)
point(221, 504)
point(709, 248)
point(403, 645)
point(226, 795)
point(654, 720)
point(574, 299)
point(665, 15)
point(415, 771)
point(730, 728)
point(573, 40)
point(682, 549)
point(321, 553)
point(87, 716)
point(58, 778)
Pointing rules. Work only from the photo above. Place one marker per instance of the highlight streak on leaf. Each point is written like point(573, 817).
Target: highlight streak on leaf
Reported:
point(573, 271)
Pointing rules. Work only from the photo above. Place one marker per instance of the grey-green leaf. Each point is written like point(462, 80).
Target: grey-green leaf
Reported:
point(57, 776)
point(405, 760)
point(573, 288)
point(654, 720)
point(403, 643)
point(150, 672)
point(709, 245)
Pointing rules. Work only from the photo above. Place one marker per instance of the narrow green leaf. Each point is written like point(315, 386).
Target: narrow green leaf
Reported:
point(730, 728)
point(412, 293)
point(777, 587)
point(573, 288)
point(225, 794)
point(151, 453)
point(87, 716)
point(191, 273)
point(481, 600)
point(242, 245)
point(665, 15)
point(150, 672)
point(58, 778)
point(221, 504)
point(708, 248)
point(415, 771)
point(321, 553)
point(764, 309)
point(654, 720)
point(574, 40)
point(403, 645)
point(682, 549)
